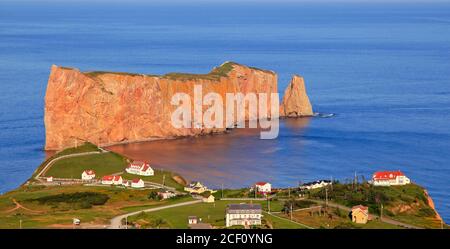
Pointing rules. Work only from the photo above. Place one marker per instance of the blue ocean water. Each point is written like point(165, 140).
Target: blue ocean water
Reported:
point(383, 69)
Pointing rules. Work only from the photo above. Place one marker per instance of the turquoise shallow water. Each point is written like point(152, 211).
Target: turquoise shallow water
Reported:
point(384, 71)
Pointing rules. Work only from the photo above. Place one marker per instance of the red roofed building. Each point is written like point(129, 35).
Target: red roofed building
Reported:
point(88, 175)
point(112, 180)
point(263, 187)
point(140, 168)
point(137, 183)
point(389, 178)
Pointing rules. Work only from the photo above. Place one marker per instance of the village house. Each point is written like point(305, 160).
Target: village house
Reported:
point(197, 188)
point(208, 198)
point(166, 195)
point(243, 215)
point(88, 175)
point(193, 220)
point(315, 184)
point(389, 178)
point(263, 187)
point(125, 183)
point(50, 179)
point(112, 180)
point(360, 214)
point(137, 183)
point(140, 168)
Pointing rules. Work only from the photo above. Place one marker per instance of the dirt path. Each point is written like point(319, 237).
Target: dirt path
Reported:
point(18, 206)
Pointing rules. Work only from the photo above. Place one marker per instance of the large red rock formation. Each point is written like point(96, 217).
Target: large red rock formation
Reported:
point(107, 108)
point(295, 101)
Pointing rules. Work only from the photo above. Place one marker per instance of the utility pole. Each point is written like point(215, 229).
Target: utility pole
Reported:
point(326, 197)
point(381, 211)
point(222, 190)
point(20, 224)
point(291, 210)
point(164, 180)
point(331, 183)
point(268, 204)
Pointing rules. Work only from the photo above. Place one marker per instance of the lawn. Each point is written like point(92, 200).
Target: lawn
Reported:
point(338, 219)
point(406, 203)
point(48, 215)
point(102, 164)
point(213, 213)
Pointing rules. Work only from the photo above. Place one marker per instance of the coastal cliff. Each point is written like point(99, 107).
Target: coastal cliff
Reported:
point(109, 107)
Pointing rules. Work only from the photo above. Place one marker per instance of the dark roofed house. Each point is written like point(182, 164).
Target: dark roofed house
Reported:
point(243, 215)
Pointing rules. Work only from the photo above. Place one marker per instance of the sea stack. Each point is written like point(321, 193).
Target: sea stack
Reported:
point(107, 108)
point(295, 100)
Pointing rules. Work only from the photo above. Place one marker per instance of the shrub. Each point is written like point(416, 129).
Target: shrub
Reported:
point(77, 199)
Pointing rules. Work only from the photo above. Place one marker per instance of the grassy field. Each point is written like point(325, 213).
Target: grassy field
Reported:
point(406, 203)
point(334, 218)
point(213, 213)
point(85, 147)
point(102, 164)
point(38, 215)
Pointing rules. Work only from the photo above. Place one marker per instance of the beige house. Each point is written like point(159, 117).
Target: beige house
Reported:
point(208, 199)
point(360, 214)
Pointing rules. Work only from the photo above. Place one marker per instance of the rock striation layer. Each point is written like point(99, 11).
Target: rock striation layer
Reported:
point(109, 107)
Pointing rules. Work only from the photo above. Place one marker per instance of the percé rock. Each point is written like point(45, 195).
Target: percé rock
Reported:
point(108, 108)
point(295, 101)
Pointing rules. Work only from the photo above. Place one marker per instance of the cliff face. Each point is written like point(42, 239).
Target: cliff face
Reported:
point(107, 108)
point(295, 100)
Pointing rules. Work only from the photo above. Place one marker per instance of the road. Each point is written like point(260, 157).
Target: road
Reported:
point(47, 166)
point(372, 216)
point(116, 222)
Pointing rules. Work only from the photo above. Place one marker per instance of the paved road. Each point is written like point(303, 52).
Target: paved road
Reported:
point(384, 219)
point(49, 164)
point(116, 222)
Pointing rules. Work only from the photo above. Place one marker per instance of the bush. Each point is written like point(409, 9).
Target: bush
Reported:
point(426, 212)
point(78, 199)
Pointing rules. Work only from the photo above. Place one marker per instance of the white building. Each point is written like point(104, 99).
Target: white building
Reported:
point(243, 215)
point(166, 195)
point(50, 179)
point(112, 180)
point(197, 188)
point(88, 175)
point(263, 187)
point(193, 220)
point(315, 184)
point(140, 168)
point(389, 178)
point(137, 183)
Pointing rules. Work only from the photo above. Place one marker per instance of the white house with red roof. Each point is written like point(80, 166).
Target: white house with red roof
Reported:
point(263, 187)
point(137, 183)
point(140, 168)
point(112, 180)
point(389, 178)
point(88, 175)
